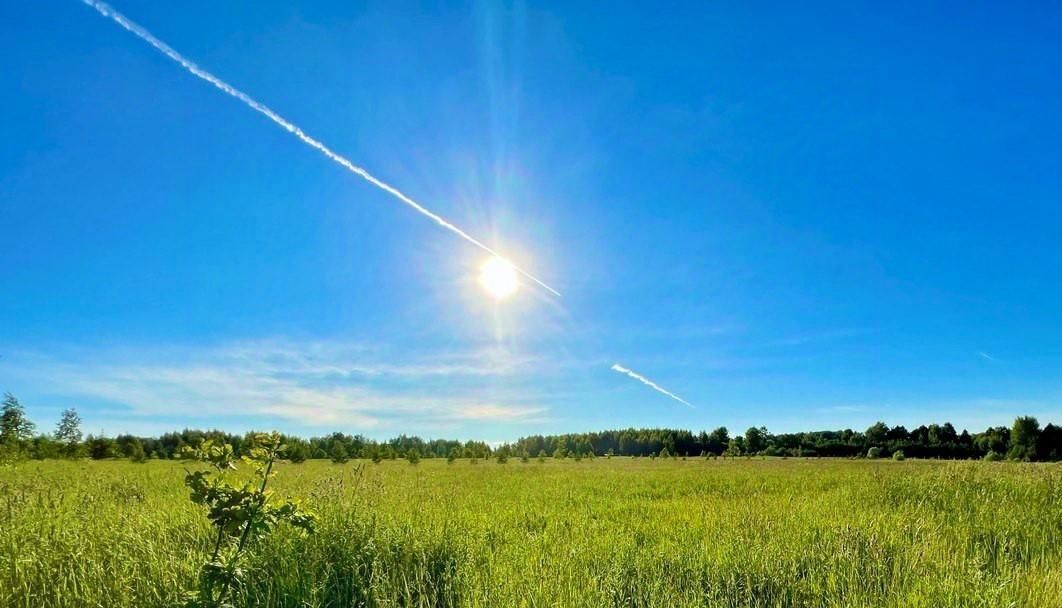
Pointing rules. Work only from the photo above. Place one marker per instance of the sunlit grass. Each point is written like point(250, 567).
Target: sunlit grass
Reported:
point(616, 532)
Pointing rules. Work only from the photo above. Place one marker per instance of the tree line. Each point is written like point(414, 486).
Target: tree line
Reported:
point(19, 439)
point(1024, 440)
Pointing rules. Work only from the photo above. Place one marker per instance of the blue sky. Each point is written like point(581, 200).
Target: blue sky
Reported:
point(804, 218)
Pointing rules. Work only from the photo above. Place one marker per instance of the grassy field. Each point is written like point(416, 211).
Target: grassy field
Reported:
point(616, 532)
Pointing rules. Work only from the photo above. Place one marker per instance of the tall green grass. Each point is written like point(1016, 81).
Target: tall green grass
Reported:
point(770, 533)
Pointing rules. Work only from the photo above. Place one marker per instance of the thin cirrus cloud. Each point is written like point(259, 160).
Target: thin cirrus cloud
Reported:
point(307, 384)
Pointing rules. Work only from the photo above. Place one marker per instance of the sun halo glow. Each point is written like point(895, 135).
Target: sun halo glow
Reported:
point(498, 277)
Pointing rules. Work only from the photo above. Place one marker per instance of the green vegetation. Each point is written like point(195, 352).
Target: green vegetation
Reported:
point(1025, 440)
point(241, 513)
point(877, 529)
point(615, 532)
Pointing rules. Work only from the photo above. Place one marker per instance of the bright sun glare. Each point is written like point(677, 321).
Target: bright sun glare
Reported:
point(498, 277)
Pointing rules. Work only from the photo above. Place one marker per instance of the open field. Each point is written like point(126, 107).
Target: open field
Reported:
point(616, 532)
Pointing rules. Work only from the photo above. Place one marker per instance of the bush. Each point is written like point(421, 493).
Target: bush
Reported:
point(298, 452)
point(339, 453)
point(993, 456)
point(898, 455)
point(874, 452)
point(136, 452)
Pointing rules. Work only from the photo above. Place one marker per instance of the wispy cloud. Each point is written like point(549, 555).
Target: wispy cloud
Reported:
point(646, 381)
point(985, 355)
point(308, 384)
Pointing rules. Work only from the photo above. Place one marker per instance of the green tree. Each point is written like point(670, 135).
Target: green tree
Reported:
point(1023, 436)
point(877, 434)
point(664, 453)
point(136, 451)
point(339, 453)
point(100, 448)
point(297, 452)
point(43, 447)
point(240, 514)
point(542, 455)
point(755, 439)
point(453, 455)
point(15, 428)
point(994, 439)
point(68, 433)
point(1049, 443)
point(560, 453)
point(413, 456)
point(718, 440)
point(733, 448)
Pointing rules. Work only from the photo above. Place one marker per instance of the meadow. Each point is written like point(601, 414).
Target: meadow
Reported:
point(602, 532)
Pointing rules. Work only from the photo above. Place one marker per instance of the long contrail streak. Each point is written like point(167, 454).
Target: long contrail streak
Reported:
point(107, 11)
point(646, 381)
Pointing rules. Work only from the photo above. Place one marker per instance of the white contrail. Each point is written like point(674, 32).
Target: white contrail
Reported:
point(107, 11)
point(646, 381)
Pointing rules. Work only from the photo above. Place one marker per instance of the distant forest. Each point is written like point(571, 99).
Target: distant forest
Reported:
point(1025, 440)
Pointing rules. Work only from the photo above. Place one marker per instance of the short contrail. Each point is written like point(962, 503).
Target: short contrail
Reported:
point(646, 381)
point(107, 11)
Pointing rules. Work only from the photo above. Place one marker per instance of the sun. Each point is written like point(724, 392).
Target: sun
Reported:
point(498, 277)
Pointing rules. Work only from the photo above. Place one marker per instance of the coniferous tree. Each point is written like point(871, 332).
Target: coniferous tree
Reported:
point(339, 453)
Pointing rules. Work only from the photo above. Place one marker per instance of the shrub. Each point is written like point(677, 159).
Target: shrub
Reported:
point(993, 456)
point(339, 453)
point(898, 455)
point(413, 456)
point(874, 452)
point(298, 452)
point(136, 451)
point(239, 512)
